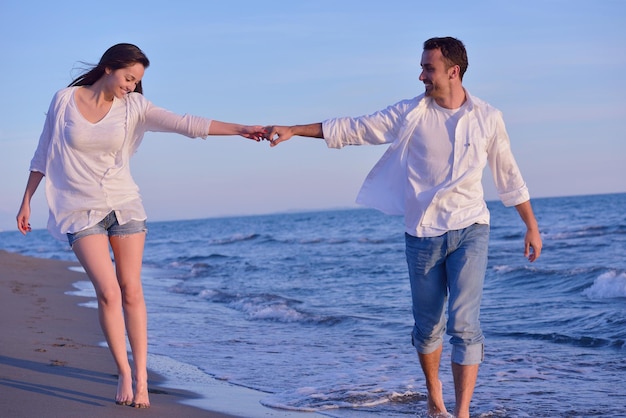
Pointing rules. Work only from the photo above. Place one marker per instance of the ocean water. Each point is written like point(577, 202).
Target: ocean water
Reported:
point(313, 310)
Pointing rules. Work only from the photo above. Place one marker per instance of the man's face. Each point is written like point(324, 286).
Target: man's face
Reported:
point(435, 74)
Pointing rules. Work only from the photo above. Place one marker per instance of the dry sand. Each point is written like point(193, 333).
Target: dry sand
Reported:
point(51, 363)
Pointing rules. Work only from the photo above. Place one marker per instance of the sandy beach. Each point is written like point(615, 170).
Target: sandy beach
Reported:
point(51, 363)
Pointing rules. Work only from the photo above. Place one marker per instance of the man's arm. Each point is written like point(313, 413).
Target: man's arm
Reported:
point(278, 134)
point(533, 237)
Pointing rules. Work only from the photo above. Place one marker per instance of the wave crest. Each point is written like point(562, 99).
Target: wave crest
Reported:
point(609, 285)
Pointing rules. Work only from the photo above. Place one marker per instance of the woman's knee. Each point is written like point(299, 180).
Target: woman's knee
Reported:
point(132, 296)
point(110, 297)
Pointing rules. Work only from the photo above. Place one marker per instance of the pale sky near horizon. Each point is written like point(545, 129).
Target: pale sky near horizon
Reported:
point(554, 67)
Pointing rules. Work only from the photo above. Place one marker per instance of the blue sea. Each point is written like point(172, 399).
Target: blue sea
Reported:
point(313, 310)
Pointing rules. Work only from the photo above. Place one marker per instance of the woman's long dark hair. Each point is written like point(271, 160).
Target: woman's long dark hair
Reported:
point(116, 57)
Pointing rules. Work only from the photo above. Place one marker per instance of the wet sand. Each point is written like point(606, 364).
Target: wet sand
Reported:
point(51, 360)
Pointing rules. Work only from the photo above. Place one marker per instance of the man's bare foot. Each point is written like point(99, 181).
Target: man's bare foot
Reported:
point(462, 414)
point(124, 395)
point(141, 399)
point(436, 406)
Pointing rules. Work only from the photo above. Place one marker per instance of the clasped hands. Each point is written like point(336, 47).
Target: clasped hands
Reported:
point(274, 134)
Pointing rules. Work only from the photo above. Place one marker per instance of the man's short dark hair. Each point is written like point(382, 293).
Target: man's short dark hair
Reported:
point(453, 51)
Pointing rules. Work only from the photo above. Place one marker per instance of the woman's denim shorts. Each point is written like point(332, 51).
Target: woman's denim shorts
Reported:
point(109, 226)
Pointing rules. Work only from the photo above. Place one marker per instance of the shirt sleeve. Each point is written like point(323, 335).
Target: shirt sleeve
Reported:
point(40, 158)
point(381, 127)
point(512, 189)
point(157, 119)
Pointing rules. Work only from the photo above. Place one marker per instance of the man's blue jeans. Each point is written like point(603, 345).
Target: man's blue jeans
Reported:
point(449, 268)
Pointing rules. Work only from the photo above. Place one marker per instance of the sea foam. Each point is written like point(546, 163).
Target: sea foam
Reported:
point(611, 284)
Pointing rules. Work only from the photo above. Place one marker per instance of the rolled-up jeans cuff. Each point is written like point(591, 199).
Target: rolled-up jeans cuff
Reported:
point(467, 355)
point(423, 347)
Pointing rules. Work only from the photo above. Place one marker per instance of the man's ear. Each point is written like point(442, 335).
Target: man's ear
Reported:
point(454, 72)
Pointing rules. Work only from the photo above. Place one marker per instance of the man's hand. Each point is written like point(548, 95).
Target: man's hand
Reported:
point(532, 241)
point(276, 134)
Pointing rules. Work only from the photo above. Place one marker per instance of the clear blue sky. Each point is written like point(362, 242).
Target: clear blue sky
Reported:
point(555, 68)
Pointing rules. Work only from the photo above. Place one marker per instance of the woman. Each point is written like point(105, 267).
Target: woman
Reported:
point(91, 130)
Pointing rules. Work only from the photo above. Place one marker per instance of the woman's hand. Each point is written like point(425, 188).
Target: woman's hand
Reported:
point(23, 216)
point(255, 132)
point(22, 219)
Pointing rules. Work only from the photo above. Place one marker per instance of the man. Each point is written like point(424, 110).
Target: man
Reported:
point(431, 174)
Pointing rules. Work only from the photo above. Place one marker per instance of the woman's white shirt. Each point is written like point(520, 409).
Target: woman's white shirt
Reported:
point(87, 165)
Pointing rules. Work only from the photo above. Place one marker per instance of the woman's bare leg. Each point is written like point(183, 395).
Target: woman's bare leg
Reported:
point(128, 254)
point(93, 253)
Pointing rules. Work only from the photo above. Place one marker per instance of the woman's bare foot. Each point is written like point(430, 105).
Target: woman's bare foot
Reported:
point(436, 406)
point(124, 395)
point(141, 400)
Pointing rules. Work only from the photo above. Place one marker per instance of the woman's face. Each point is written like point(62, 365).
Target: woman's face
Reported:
point(122, 81)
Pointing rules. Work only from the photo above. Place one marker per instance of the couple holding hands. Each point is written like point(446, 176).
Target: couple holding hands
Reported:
point(431, 173)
